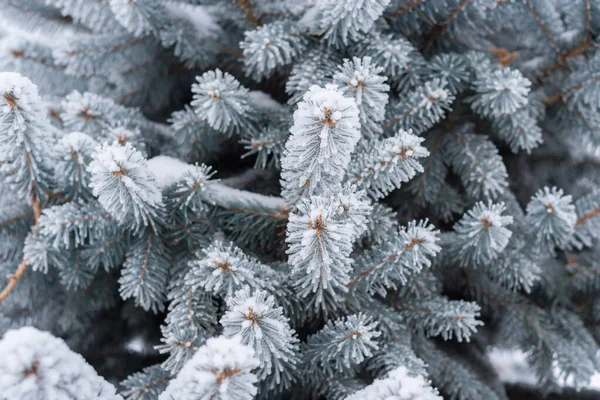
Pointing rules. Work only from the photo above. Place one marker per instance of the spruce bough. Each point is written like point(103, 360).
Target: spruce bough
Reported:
point(358, 199)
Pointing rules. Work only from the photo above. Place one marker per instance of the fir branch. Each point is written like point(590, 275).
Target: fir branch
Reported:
point(587, 217)
point(13, 280)
point(461, 6)
point(246, 6)
point(407, 8)
point(543, 27)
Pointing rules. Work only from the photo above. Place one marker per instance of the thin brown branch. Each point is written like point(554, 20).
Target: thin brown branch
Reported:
point(586, 217)
point(406, 8)
point(113, 49)
point(13, 280)
point(386, 260)
point(282, 216)
point(247, 7)
point(540, 23)
point(151, 385)
point(588, 19)
point(505, 57)
point(455, 13)
point(46, 63)
point(4, 224)
point(561, 63)
point(37, 210)
point(561, 96)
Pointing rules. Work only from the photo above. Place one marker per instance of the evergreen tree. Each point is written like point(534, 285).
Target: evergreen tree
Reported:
point(358, 199)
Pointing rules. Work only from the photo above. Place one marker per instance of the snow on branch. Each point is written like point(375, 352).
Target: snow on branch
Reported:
point(325, 132)
point(390, 263)
point(320, 238)
point(37, 365)
point(421, 108)
point(24, 130)
point(386, 164)
point(220, 100)
point(551, 219)
point(501, 92)
point(342, 22)
point(222, 269)
point(271, 46)
point(340, 345)
point(254, 317)
point(476, 161)
point(220, 370)
point(124, 185)
point(399, 384)
point(481, 234)
point(361, 79)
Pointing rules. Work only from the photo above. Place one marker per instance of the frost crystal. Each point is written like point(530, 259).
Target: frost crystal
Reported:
point(23, 129)
point(342, 344)
point(18, 94)
point(269, 47)
point(345, 20)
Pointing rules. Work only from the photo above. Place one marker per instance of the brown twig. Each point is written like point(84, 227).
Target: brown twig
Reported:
point(407, 8)
point(586, 217)
point(562, 61)
point(247, 7)
point(14, 279)
point(540, 23)
point(37, 210)
point(455, 13)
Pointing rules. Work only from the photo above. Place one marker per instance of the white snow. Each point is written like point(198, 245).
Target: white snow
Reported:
point(37, 365)
point(398, 385)
point(325, 132)
point(309, 17)
point(123, 165)
point(78, 142)
point(221, 369)
point(49, 38)
point(255, 318)
point(136, 345)
point(203, 22)
point(512, 367)
point(24, 91)
point(264, 102)
point(167, 170)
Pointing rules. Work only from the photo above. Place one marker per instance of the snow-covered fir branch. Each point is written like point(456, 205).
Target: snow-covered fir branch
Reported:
point(337, 200)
